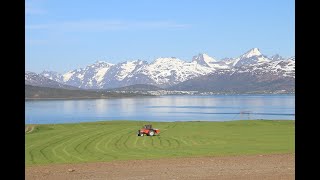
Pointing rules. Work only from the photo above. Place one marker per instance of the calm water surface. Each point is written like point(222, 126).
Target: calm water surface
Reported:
point(163, 108)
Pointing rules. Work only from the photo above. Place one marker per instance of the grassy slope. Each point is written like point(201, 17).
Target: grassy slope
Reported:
point(117, 140)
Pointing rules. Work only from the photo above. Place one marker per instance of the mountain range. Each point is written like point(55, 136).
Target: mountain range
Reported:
point(251, 71)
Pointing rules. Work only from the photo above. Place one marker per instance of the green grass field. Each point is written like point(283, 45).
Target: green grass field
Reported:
point(117, 140)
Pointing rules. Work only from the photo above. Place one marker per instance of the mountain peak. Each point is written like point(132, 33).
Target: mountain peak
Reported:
point(252, 56)
point(48, 72)
point(276, 57)
point(30, 72)
point(167, 60)
point(100, 64)
point(252, 52)
point(203, 59)
point(208, 58)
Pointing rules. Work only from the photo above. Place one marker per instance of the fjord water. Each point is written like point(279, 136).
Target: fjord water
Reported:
point(162, 108)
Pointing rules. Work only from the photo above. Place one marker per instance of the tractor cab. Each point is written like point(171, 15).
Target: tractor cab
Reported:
point(148, 126)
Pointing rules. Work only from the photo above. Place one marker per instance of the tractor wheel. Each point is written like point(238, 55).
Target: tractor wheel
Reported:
point(151, 133)
point(141, 134)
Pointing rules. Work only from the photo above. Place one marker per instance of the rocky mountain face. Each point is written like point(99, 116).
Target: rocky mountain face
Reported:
point(238, 82)
point(173, 73)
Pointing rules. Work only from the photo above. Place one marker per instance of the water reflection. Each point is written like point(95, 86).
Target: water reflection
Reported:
point(167, 108)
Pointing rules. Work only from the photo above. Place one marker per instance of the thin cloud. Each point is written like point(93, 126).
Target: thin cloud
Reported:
point(93, 25)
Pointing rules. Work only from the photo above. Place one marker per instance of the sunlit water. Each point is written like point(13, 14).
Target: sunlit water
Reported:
point(164, 108)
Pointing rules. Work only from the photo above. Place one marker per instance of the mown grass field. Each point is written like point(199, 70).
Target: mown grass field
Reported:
point(117, 140)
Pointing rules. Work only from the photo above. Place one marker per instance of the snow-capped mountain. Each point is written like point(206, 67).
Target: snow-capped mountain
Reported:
point(253, 56)
point(204, 60)
point(52, 75)
point(118, 74)
point(169, 71)
point(251, 72)
point(90, 76)
point(34, 79)
point(207, 61)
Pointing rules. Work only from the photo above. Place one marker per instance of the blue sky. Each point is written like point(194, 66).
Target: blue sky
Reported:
point(64, 35)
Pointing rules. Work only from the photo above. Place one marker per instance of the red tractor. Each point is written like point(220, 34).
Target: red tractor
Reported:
point(148, 130)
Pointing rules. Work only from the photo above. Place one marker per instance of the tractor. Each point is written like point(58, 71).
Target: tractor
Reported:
point(148, 130)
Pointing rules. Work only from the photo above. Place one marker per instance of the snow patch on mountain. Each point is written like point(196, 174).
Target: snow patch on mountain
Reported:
point(127, 68)
point(100, 74)
point(68, 75)
point(52, 75)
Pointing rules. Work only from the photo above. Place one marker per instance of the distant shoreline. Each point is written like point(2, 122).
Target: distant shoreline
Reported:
point(84, 98)
point(145, 121)
point(143, 96)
